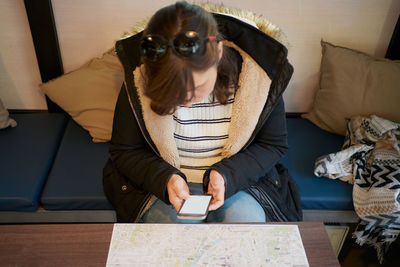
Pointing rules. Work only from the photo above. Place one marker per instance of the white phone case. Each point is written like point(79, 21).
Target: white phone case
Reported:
point(198, 208)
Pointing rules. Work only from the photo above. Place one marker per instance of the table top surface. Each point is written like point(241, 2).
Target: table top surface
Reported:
point(88, 244)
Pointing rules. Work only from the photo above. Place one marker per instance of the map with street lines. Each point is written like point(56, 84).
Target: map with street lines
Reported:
point(206, 245)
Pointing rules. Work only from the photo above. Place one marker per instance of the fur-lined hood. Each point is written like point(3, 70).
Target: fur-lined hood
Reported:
point(250, 99)
point(263, 61)
point(260, 22)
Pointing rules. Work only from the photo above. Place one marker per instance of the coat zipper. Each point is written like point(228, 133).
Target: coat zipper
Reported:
point(142, 207)
point(137, 119)
point(148, 195)
point(279, 215)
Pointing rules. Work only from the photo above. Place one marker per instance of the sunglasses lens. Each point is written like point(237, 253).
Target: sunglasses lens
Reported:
point(153, 47)
point(188, 43)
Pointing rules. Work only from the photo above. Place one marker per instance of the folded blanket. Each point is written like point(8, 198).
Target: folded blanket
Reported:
point(370, 160)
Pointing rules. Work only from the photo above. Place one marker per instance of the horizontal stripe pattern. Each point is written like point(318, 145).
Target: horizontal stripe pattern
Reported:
point(198, 150)
point(195, 167)
point(200, 138)
point(212, 121)
point(200, 134)
point(205, 104)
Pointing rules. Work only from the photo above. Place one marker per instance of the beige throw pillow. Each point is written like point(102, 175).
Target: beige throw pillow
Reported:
point(354, 83)
point(89, 94)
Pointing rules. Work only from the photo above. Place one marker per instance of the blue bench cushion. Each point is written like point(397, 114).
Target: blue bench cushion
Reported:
point(307, 142)
point(26, 155)
point(75, 181)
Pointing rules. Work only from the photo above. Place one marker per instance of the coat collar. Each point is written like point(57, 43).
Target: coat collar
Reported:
point(249, 103)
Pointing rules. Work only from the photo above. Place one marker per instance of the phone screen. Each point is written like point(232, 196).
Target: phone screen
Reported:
point(196, 205)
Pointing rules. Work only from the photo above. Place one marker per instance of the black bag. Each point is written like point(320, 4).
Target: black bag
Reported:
point(292, 203)
point(279, 195)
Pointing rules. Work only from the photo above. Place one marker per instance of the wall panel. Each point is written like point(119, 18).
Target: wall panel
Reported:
point(19, 72)
point(87, 28)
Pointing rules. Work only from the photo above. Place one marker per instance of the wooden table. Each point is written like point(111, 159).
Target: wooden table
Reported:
point(88, 244)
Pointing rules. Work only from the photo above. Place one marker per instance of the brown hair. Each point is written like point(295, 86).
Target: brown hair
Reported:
point(169, 79)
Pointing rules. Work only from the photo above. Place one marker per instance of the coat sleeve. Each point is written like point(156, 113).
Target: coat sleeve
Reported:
point(133, 157)
point(245, 168)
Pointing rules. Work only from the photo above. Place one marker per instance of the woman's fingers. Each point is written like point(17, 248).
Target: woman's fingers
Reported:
point(216, 188)
point(181, 194)
point(178, 191)
point(217, 197)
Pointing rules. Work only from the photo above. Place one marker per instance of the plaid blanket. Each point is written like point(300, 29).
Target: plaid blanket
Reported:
point(370, 160)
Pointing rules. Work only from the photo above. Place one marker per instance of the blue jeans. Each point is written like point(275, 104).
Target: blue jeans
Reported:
point(241, 207)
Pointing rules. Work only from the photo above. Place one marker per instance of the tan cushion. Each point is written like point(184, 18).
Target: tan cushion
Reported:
point(354, 83)
point(89, 94)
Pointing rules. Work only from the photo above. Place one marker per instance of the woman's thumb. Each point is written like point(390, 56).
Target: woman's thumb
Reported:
point(184, 193)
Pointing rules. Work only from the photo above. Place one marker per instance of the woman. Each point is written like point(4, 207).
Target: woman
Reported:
point(199, 116)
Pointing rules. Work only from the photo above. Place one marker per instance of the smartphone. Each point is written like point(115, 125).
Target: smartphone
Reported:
point(195, 208)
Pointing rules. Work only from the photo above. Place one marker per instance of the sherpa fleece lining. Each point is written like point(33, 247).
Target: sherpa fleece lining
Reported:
point(250, 98)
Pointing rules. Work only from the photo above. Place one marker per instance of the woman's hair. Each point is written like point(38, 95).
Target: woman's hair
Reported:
point(169, 79)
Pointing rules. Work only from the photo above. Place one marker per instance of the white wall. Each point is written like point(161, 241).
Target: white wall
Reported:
point(87, 28)
point(19, 73)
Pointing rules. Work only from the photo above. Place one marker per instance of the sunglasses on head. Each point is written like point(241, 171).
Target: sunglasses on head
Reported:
point(185, 44)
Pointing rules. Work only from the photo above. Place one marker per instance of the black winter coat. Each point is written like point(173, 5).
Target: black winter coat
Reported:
point(137, 170)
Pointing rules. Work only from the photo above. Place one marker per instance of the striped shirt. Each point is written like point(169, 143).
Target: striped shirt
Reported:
point(200, 134)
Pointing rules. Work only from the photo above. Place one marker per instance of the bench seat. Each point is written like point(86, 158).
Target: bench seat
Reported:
point(26, 155)
point(307, 142)
point(53, 146)
point(75, 181)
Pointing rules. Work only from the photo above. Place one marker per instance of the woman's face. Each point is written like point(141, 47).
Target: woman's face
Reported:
point(204, 82)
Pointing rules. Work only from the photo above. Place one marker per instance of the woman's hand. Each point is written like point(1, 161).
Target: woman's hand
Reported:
point(216, 187)
point(178, 191)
